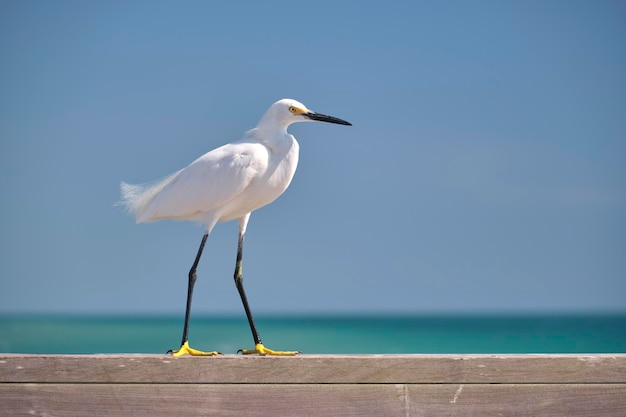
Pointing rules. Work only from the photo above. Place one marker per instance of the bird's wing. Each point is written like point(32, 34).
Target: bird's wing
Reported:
point(208, 183)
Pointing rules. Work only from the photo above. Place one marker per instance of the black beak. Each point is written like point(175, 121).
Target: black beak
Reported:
point(329, 119)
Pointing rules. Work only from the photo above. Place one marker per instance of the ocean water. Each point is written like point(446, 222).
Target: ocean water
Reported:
point(318, 335)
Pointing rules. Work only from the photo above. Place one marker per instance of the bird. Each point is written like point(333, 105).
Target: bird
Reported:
point(227, 183)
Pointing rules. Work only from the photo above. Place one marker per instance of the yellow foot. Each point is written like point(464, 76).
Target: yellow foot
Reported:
point(259, 349)
point(186, 350)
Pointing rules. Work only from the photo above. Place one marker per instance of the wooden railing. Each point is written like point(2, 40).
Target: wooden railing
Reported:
point(313, 385)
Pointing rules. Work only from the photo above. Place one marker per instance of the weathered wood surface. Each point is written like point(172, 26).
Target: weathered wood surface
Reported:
point(315, 369)
point(313, 385)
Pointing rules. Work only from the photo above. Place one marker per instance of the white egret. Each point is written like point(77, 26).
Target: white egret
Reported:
point(225, 184)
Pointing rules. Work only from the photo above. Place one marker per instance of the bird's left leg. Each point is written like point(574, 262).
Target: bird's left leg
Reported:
point(258, 345)
point(185, 349)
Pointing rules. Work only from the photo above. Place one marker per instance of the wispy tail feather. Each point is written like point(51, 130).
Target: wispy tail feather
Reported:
point(137, 198)
point(131, 196)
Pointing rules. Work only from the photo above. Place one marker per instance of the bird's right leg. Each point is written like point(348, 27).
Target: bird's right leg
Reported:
point(184, 345)
point(259, 348)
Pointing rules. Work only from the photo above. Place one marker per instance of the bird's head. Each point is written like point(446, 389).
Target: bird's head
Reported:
point(287, 111)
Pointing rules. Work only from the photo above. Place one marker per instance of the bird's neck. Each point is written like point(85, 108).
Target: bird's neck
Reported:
point(276, 139)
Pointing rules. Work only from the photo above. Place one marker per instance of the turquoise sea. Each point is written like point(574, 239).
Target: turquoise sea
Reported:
point(319, 334)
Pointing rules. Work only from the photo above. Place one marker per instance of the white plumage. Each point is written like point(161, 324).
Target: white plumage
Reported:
point(228, 183)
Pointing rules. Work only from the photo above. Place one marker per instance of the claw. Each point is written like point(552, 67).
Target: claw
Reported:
point(186, 350)
point(259, 349)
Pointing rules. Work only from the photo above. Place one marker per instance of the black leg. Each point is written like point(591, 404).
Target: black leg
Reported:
point(192, 280)
point(259, 349)
point(242, 293)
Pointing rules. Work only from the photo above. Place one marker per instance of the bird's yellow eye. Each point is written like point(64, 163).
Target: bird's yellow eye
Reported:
point(292, 109)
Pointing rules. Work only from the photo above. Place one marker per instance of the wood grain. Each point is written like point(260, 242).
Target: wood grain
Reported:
point(313, 400)
point(313, 385)
point(321, 369)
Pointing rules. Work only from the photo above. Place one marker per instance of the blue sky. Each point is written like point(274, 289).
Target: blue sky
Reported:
point(484, 172)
